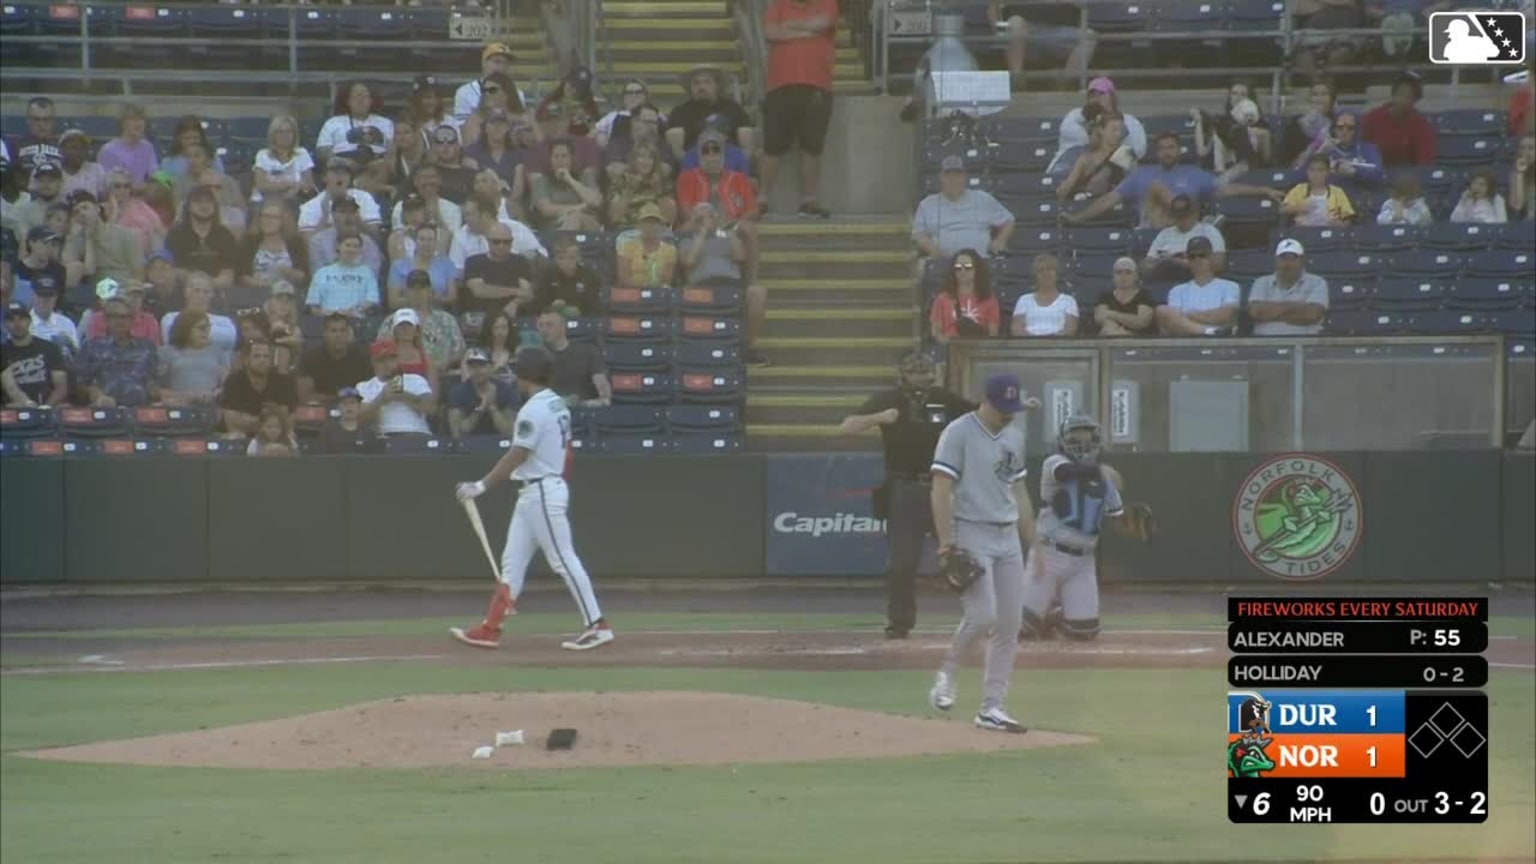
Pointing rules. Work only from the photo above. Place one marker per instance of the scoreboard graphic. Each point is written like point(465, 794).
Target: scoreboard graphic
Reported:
point(1351, 710)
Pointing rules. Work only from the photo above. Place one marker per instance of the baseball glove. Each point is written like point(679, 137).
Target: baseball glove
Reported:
point(959, 569)
point(1139, 522)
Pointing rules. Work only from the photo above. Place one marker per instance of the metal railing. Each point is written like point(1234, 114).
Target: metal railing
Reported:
point(749, 16)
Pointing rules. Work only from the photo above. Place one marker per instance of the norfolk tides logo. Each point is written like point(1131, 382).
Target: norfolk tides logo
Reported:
point(1297, 517)
point(1246, 754)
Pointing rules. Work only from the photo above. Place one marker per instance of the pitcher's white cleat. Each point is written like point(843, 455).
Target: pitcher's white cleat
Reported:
point(997, 720)
point(596, 636)
point(942, 694)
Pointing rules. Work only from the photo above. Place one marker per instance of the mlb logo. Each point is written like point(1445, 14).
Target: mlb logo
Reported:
point(1476, 38)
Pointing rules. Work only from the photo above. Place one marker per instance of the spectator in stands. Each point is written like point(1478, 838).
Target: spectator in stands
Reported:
point(706, 88)
point(199, 293)
point(56, 217)
point(643, 182)
point(1203, 306)
point(1152, 188)
point(1101, 165)
point(283, 171)
point(403, 329)
point(481, 404)
point(1317, 203)
point(427, 185)
point(1045, 311)
point(1165, 258)
point(412, 216)
point(497, 281)
point(732, 193)
point(494, 152)
point(162, 283)
point(957, 217)
point(251, 388)
point(1302, 130)
point(644, 129)
point(131, 151)
point(40, 146)
point(118, 369)
point(965, 307)
point(1481, 202)
point(32, 370)
point(47, 190)
point(456, 173)
point(426, 110)
point(95, 248)
point(191, 367)
point(285, 331)
point(1522, 180)
point(565, 201)
point(616, 124)
point(1399, 131)
point(397, 403)
point(648, 260)
point(802, 50)
point(189, 131)
point(14, 199)
point(1050, 39)
point(315, 214)
point(1321, 50)
point(710, 254)
point(470, 239)
point(428, 264)
point(126, 210)
point(160, 195)
point(570, 108)
point(1125, 309)
point(579, 375)
point(79, 171)
point(498, 98)
point(438, 331)
point(345, 218)
point(348, 285)
point(1231, 142)
point(274, 434)
point(199, 242)
point(570, 281)
point(337, 363)
point(1290, 301)
point(48, 322)
point(490, 193)
point(272, 252)
point(40, 258)
point(1405, 206)
point(357, 130)
point(410, 152)
point(200, 172)
point(494, 58)
point(141, 324)
point(586, 157)
point(500, 341)
point(1351, 161)
point(348, 432)
point(1074, 132)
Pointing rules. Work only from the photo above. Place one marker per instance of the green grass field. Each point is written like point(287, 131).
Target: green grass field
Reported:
point(1151, 790)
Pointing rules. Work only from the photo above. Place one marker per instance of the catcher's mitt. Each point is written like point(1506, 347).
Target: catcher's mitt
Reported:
point(959, 569)
point(1139, 522)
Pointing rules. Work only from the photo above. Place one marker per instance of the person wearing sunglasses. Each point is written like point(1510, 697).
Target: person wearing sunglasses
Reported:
point(495, 57)
point(965, 308)
point(1352, 161)
point(498, 98)
point(126, 210)
point(616, 124)
point(1203, 306)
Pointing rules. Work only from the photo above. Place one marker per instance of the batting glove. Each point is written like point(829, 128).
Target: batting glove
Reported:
point(469, 491)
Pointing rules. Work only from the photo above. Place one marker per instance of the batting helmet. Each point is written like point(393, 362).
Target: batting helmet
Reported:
point(1077, 448)
point(533, 363)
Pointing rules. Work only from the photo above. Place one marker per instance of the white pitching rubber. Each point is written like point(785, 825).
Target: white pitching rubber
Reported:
point(483, 752)
point(504, 739)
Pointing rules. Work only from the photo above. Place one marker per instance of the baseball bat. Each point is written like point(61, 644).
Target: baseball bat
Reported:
point(472, 510)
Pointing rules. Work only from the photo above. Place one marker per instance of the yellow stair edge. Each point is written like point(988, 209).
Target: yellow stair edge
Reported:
point(891, 313)
point(832, 256)
point(818, 400)
point(830, 285)
point(673, 24)
point(694, 45)
point(836, 342)
point(820, 371)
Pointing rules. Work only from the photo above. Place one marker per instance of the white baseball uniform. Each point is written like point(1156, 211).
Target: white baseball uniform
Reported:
point(540, 520)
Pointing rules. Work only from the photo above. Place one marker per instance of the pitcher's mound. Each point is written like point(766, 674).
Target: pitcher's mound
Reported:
point(639, 728)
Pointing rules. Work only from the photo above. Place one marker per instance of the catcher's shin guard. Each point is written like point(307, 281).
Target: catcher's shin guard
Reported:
point(499, 608)
point(1037, 627)
point(1081, 630)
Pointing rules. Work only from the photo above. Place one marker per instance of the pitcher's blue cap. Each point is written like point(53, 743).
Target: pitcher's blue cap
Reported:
point(1004, 394)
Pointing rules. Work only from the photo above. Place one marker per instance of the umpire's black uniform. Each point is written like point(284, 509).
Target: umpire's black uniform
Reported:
point(922, 412)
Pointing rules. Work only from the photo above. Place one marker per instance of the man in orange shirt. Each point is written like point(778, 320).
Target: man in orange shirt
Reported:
point(802, 49)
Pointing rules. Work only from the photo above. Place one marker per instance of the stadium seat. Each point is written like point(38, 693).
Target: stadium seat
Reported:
point(705, 327)
point(1253, 263)
point(224, 22)
point(640, 388)
point(148, 22)
point(583, 329)
point(1409, 295)
point(49, 447)
point(632, 420)
point(1248, 211)
point(710, 385)
point(635, 328)
point(1520, 347)
point(1384, 238)
point(1491, 294)
point(1460, 236)
point(122, 447)
point(631, 357)
point(1024, 185)
point(16, 423)
point(417, 445)
point(707, 353)
point(1316, 240)
point(1031, 240)
point(204, 447)
point(1447, 322)
point(1040, 210)
point(1260, 15)
point(635, 444)
point(723, 443)
point(1502, 263)
point(1438, 179)
point(1425, 263)
point(637, 301)
point(1515, 322)
point(1351, 293)
point(174, 422)
point(16, 20)
point(93, 422)
point(63, 22)
point(1343, 264)
point(687, 420)
point(482, 444)
point(711, 299)
point(1519, 236)
point(1007, 128)
point(1457, 150)
point(1031, 156)
point(1359, 322)
point(1093, 240)
point(1470, 121)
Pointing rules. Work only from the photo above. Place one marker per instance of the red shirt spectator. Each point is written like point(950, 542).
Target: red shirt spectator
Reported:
point(729, 191)
point(946, 315)
point(809, 60)
point(1520, 111)
point(1399, 131)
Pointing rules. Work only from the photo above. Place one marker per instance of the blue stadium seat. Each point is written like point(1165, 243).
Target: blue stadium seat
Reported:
point(93, 422)
point(635, 444)
point(1361, 322)
point(1385, 238)
point(16, 423)
point(1457, 150)
point(1409, 295)
point(1008, 128)
point(633, 420)
point(710, 385)
point(695, 328)
point(250, 130)
point(174, 422)
point(1317, 240)
point(1519, 236)
point(1447, 322)
point(1248, 211)
point(1461, 236)
point(1023, 156)
point(1255, 15)
point(363, 23)
point(225, 22)
point(124, 447)
point(204, 447)
point(711, 299)
point(637, 301)
point(1113, 240)
point(636, 328)
point(483, 444)
point(640, 388)
point(583, 329)
point(1028, 185)
point(1038, 210)
point(1351, 293)
point(16, 19)
point(1515, 322)
point(687, 420)
point(1343, 264)
point(722, 443)
point(707, 353)
point(1252, 263)
point(1440, 180)
point(417, 445)
point(1033, 239)
point(1491, 294)
point(1502, 263)
point(1426, 263)
point(1470, 121)
point(637, 357)
point(148, 22)
point(1520, 348)
point(1266, 177)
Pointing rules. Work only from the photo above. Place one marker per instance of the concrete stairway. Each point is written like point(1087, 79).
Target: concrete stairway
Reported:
point(840, 312)
point(658, 40)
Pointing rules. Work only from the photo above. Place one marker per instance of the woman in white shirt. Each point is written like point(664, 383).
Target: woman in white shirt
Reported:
point(1045, 311)
point(356, 127)
point(283, 170)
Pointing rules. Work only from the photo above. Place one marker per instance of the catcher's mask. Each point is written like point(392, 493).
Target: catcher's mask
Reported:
point(1078, 439)
point(916, 370)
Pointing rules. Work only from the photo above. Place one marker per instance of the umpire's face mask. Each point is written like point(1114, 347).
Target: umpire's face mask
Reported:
point(917, 380)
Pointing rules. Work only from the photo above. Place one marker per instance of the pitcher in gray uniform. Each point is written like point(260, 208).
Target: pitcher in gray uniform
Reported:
point(980, 505)
point(1076, 493)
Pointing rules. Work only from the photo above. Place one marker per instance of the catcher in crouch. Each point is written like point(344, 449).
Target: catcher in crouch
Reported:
point(1076, 493)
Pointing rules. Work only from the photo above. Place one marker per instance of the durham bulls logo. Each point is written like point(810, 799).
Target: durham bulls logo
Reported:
point(1246, 757)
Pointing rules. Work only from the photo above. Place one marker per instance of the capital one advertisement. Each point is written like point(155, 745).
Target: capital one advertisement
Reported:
point(819, 515)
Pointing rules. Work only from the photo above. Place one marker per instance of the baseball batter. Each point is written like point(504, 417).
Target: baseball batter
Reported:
point(981, 506)
point(1076, 493)
point(541, 441)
